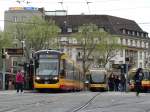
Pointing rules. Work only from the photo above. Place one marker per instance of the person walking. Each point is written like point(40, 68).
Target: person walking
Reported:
point(111, 82)
point(123, 83)
point(138, 80)
point(19, 81)
point(116, 83)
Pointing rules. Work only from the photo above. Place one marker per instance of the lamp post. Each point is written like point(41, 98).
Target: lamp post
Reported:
point(127, 69)
point(4, 55)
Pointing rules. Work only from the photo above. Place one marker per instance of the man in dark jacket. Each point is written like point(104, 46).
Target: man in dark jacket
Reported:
point(138, 80)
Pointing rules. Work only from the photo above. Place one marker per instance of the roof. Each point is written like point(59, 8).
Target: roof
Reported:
point(111, 24)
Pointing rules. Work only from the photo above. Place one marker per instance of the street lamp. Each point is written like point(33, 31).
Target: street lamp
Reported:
point(4, 56)
point(127, 69)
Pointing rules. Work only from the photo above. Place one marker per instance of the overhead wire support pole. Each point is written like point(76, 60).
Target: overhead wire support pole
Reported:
point(4, 68)
point(87, 2)
point(62, 4)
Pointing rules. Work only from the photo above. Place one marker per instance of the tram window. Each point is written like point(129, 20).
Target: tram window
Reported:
point(146, 75)
point(47, 67)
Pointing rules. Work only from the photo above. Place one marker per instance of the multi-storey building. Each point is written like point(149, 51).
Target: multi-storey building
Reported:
point(12, 16)
point(19, 15)
point(130, 35)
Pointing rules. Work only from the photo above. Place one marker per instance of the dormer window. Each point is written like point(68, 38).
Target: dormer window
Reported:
point(142, 35)
point(124, 31)
point(128, 32)
point(69, 30)
point(137, 33)
point(145, 34)
point(133, 33)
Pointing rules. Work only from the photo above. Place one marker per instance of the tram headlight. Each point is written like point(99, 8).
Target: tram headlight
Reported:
point(37, 78)
point(55, 78)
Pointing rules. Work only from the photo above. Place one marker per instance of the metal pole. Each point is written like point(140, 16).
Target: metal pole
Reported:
point(4, 74)
point(126, 77)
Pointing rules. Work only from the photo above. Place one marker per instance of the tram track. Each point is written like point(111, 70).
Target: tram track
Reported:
point(116, 103)
point(83, 106)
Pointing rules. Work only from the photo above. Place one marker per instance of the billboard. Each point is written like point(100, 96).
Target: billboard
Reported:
point(23, 8)
point(16, 8)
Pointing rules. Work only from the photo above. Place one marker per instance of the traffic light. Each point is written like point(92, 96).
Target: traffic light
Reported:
point(26, 67)
point(3, 53)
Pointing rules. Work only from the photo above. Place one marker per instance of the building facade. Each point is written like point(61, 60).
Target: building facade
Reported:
point(135, 40)
point(20, 14)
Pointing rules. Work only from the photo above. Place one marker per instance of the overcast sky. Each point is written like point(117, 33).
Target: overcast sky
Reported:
point(137, 10)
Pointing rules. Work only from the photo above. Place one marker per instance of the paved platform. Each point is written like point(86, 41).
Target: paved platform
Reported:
point(13, 91)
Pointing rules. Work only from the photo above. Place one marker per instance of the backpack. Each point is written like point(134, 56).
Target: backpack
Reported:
point(19, 77)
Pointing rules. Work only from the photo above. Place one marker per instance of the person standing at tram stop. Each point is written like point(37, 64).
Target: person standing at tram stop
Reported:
point(138, 80)
point(19, 81)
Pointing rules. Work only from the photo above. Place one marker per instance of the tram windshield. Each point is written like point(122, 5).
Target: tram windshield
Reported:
point(47, 67)
point(97, 76)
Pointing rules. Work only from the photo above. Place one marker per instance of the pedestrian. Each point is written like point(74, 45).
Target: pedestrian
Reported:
point(123, 83)
point(111, 82)
point(19, 81)
point(116, 82)
point(138, 80)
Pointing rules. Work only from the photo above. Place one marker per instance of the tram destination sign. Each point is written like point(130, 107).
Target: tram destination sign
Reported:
point(50, 56)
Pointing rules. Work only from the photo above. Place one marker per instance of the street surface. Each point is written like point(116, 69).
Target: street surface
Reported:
point(86, 101)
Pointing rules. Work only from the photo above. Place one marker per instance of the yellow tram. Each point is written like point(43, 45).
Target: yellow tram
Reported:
point(145, 81)
point(54, 70)
point(97, 78)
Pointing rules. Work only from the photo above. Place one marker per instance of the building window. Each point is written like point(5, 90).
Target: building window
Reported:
point(121, 41)
point(137, 33)
point(140, 43)
point(145, 56)
point(69, 30)
point(140, 65)
point(146, 35)
point(128, 32)
point(131, 42)
point(133, 33)
point(136, 43)
point(121, 53)
point(126, 41)
point(140, 54)
point(15, 18)
point(145, 44)
point(124, 31)
point(142, 35)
